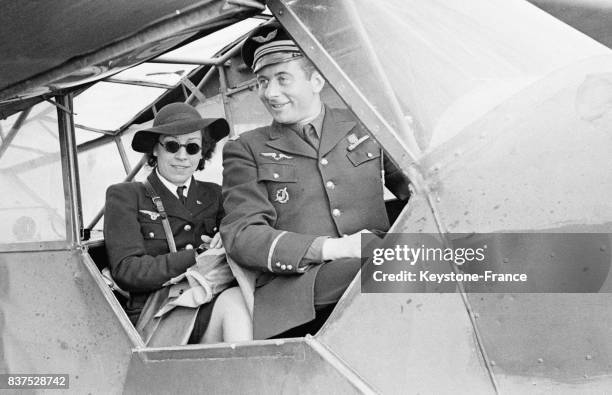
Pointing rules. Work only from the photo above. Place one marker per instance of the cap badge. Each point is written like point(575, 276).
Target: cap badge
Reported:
point(269, 37)
point(151, 214)
point(282, 196)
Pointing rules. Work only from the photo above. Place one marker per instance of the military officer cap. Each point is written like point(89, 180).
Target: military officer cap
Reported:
point(175, 119)
point(269, 44)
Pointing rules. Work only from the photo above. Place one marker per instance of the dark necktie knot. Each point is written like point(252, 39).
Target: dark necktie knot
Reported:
point(310, 135)
point(180, 191)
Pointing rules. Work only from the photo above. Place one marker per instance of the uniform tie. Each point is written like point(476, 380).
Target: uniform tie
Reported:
point(310, 136)
point(180, 192)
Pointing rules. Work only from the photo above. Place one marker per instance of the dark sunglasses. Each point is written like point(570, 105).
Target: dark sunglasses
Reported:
point(173, 147)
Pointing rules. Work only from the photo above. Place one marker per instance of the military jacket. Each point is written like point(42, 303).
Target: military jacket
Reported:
point(280, 194)
point(139, 256)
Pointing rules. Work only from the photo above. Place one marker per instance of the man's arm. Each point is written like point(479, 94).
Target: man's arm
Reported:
point(247, 229)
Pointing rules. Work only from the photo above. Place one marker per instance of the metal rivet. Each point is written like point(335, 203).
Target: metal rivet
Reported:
point(189, 247)
point(289, 267)
point(283, 267)
point(151, 235)
point(187, 227)
point(336, 212)
point(275, 175)
point(330, 185)
point(277, 264)
point(324, 161)
point(370, 154)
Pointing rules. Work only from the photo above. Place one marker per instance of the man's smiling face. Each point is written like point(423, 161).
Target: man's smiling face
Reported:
point(289, 94)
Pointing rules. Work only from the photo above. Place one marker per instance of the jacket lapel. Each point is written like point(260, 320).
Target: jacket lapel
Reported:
point(335, 127)
point(284, 139)
point(172, 205)
point(197, 193)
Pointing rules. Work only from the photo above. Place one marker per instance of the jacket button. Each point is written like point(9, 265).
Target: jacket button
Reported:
point(324, 161)
point(370, 154)
point(189, 247)
point(275, 175)
point(336, 212)
point(187, 227)
point(330, 185)
point(151, 235)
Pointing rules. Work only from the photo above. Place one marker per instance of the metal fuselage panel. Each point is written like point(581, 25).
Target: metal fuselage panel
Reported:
point(55, 319)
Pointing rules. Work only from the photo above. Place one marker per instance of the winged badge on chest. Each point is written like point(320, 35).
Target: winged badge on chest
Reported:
point(276, 156)
point(152, 214)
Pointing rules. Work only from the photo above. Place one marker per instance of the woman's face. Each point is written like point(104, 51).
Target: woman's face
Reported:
point(178, 167)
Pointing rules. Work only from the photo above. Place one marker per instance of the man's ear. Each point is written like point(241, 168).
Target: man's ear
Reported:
point(317, 81)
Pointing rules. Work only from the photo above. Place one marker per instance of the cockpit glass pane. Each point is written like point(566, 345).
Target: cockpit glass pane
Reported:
point(438, 65)
point(32, 198)
point(107, 106)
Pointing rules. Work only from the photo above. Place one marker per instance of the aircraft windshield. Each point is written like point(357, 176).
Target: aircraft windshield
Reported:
point(435, 67)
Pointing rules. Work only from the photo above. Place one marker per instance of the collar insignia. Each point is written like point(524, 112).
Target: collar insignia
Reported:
point(276, 155)
point(269, 37)
point(355, 141)
point(151, 214)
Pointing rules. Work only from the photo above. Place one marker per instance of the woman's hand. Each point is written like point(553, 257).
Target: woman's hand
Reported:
point(212, 242)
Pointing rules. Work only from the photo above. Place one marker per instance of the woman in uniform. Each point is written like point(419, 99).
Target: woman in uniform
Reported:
point(140, 260)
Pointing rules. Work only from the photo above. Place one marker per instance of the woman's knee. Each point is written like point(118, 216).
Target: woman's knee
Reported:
point(231, 300)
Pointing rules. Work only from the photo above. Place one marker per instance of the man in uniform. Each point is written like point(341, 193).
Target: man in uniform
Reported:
point(299, 192)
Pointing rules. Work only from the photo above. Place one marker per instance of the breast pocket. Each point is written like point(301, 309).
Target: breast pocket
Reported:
point(276, 172)
point(280, 180)
point(363, 153)
point(152, 230)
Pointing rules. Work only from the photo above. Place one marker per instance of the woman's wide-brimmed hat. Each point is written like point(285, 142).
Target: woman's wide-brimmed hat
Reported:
point(175, 119)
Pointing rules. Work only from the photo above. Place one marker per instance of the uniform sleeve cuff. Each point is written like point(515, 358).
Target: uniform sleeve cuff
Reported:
point(287, 251)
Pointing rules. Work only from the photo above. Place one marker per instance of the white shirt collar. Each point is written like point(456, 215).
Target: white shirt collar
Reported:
point(171, 187)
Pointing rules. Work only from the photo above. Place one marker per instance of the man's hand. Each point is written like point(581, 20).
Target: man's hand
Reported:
point(212, 242)
point(347, 246)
